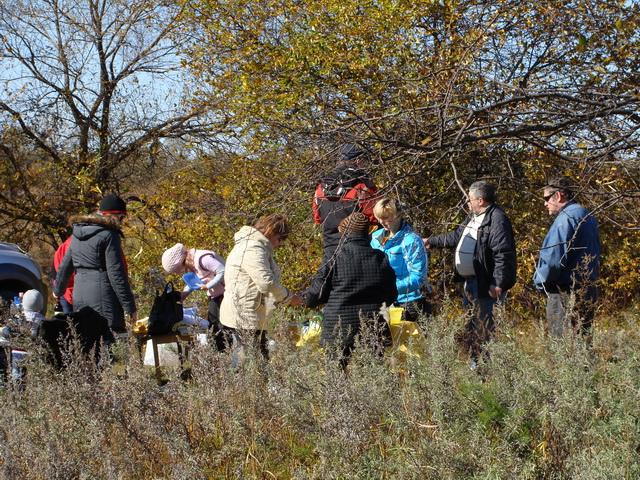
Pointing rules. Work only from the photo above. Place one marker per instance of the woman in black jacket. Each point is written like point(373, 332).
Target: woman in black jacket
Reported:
point(102, 293)
point(353, 286)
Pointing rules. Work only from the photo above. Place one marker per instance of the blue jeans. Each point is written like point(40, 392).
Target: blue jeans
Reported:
point(66, 306)
point(480, 326)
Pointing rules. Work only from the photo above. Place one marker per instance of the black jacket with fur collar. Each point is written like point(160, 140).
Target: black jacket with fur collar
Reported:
point(101, 287)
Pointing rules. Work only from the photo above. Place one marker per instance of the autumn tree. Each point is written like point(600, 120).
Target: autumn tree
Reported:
point(427, 81)
point(91, 91)
point(442, 92)
point(115, 94)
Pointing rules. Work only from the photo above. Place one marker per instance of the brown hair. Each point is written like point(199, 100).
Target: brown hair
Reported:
point(274, 224)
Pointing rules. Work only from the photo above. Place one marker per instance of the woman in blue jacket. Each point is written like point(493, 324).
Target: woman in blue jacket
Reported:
point(408, 258)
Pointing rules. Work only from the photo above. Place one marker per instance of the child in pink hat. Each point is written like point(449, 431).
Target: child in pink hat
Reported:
point(209, 267)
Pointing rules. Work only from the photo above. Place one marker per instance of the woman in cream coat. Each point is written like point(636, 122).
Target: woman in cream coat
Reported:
point(252, 280)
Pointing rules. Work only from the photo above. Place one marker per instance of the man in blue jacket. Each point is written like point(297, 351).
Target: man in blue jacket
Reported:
point(569, 262)
point(485, 260)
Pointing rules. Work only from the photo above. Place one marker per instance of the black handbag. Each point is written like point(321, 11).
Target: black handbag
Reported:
point(165, 311)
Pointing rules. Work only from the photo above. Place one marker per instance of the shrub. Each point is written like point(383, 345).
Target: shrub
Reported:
point(538, 408)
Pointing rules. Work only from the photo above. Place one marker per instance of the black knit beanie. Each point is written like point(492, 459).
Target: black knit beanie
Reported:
point(113, 204)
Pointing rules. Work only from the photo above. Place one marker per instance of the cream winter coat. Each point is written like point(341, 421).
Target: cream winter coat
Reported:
point(251, 276)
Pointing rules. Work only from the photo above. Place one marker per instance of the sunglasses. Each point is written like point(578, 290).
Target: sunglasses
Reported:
point(548, 197)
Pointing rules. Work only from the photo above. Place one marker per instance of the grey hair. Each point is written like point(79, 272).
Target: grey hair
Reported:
point(484, 190)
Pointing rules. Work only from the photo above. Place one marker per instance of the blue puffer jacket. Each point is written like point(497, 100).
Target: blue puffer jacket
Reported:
point(408, 258)
point(572, 237)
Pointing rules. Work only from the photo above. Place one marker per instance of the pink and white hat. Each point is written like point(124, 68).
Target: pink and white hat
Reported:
point(173, 258)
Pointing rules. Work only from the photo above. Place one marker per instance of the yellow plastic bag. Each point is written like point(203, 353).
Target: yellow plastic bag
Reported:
point(395, 315)
point(141, 327)
point(406, 336)
point(407, 339)
point(309, 334)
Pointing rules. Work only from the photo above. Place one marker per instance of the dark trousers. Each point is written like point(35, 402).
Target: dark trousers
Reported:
point(213, 316)
point(480, 326)
point(571, 311)
point(66, 306)
point(242, 340)
point(55, 337)
point(415, 309)
point(342, 340)
point(4, 364)
point(93, 331)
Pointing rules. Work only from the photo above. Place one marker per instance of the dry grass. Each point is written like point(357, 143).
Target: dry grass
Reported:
point(537, 409)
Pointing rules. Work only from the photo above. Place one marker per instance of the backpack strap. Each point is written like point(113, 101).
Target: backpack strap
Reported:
point(204, 255)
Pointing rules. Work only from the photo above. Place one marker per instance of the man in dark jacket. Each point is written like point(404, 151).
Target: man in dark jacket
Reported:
point(354, 287)
point(101, 294)
point(345, 190)
point(485, 259)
